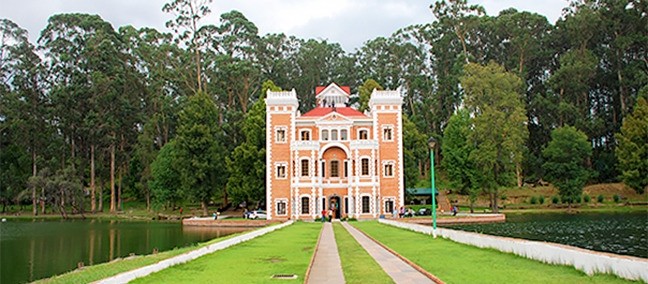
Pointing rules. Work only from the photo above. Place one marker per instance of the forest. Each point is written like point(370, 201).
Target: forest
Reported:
point(92, 115)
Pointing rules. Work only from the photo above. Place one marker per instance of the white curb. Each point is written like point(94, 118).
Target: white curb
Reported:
point(588, 261)
point(185, 257)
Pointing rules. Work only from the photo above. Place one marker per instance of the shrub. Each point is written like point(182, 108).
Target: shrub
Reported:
point(541, 199)
point(616, 198)
point(554, 200)
point(503, 197)
point(587, 198)
point(600, 198)
point(534, 200)
point(352, 219)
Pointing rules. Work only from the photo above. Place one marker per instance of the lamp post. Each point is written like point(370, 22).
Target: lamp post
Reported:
point(431, 145)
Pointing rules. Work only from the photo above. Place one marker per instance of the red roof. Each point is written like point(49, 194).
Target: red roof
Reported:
point(319, 89)
point(322, 111)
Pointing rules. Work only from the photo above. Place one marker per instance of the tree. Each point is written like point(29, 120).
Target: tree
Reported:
point(246, 164)
point(566, 162)
point(202, 161)
point(365, 92)
point(415, 152)
point(188, 13)
point(632, 151)
point(493, 96)
point(456, 148)
point(166, 185)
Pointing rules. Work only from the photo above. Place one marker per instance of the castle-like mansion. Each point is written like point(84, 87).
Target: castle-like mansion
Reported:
point(333, 156)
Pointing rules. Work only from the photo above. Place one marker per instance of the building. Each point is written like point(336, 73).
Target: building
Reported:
point(333, 156)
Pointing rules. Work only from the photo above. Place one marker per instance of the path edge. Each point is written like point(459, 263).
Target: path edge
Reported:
point(409, 262)
point(130, 275)
point(310, 265)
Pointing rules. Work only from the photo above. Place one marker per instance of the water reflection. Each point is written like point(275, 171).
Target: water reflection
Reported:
point(621, 233)
point(31, 250)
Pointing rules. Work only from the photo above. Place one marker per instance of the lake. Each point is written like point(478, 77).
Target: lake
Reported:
point(35, 249)
point(620, 233)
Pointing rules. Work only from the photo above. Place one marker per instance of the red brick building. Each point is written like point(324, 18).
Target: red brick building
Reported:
point(333, 156)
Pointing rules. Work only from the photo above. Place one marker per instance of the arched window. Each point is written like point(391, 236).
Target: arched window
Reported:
point(305, 135)
point(365, 166)
point(325, 136)
point(343, 134)
point(305, 170)
point(365, 205)
point(363, 134)
point(334, 134)
point(305, 205)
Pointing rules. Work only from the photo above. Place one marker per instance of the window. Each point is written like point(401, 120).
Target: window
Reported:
point(334, 135)
point(304, 168)
point(335, 168)
point(305, 204)
point(365, 167)
point(346, 168)
point(364, 134)
point(365, 204)
point(387, 134)
point(325, 135)
point(305, 135)
point(343, 134)
point(389, 206)
point(281, 171)
point(281, 207)
point(323, 169)
point(281, 135)
point(346, 205)
point(388, 170)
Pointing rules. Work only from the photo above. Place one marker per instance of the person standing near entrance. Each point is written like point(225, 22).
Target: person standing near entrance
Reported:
point(323, 215)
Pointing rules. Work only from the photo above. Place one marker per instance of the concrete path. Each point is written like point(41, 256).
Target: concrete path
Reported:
point(396, 268)
point(326, 267)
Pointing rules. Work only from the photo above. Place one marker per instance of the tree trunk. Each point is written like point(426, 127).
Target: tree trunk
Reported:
point(518, 173)
point(93, 197)
point(100, 196)
point(148, 198)
point(204, 207)
point(112, 178)
point(34, 169)
point(494, 198)
point(119, 189)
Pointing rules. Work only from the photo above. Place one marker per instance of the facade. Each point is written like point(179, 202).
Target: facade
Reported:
point(333, 156)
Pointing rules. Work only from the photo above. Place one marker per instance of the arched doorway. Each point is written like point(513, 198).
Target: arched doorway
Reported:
point(336, 206)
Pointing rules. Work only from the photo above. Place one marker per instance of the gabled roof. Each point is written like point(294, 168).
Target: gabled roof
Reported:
point(322, 111)
point(319, 89)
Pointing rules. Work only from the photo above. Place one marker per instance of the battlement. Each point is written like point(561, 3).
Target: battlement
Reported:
point(282, 98)
point(385, 97)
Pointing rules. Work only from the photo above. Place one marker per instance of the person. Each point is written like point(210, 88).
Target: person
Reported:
point(402, 212)
point(215, 216)
point(323, 215)
point(180, 210)
point(330, 215)
point(455, 209)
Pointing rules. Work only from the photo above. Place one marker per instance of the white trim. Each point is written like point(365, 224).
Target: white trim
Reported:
point(276, 167)
point(333, 144)
point(399, 167)
point(277, 201)
point(310, 207)
point(301, 170)
point(392, 163)
point(389, 127)
point(362, 175)
point(358, 133)
point(363, 195)
point(276, 132)
point(310, 134)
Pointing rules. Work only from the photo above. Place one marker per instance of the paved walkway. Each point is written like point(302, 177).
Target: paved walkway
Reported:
point(396, 268)
point(327, 267)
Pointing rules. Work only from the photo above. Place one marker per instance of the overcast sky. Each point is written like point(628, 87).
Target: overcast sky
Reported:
point(348, 22)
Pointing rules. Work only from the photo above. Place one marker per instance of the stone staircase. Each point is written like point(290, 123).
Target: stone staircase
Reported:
point(444, 203)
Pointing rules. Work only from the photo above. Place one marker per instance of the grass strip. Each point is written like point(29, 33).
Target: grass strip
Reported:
point(104, 270)
point(458, 263)
point(285, 251)
point(358, 266)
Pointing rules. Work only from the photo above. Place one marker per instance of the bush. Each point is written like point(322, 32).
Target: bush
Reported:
point(587, 198)
point(554, 200)
point(534, 200)
point(541, 199)
point(578, 199)
point(503, 197)
point(616, 198)
point(600, 198)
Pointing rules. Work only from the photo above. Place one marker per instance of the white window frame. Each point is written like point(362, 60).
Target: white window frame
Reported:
point(310, 134)
point(362, 197)
point(330, 165)
point(301, 205)
point(391, 130)
point(324, 137)
point(301, 167)
point(393, 167)
point(280, 200)
point(368, 166)
point(281, 164)
point(346, 135)
point(285, 136)
point(360, 131)
point(334, 135)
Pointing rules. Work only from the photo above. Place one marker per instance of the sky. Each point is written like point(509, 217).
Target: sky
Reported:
point(348, 22)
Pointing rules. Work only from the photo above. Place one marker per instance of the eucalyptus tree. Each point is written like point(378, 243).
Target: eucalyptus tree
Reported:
point(493, 96)
point(460, 17)
point(276, 55)
point(186, 25)
point(23, 92)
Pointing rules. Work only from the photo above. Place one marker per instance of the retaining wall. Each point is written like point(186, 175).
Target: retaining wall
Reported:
point(628, 267)
point(179, 259)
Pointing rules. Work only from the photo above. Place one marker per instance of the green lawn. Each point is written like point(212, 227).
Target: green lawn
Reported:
point(285, 251)
point(458, 263)
point(100, 271)
point(358, 266)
